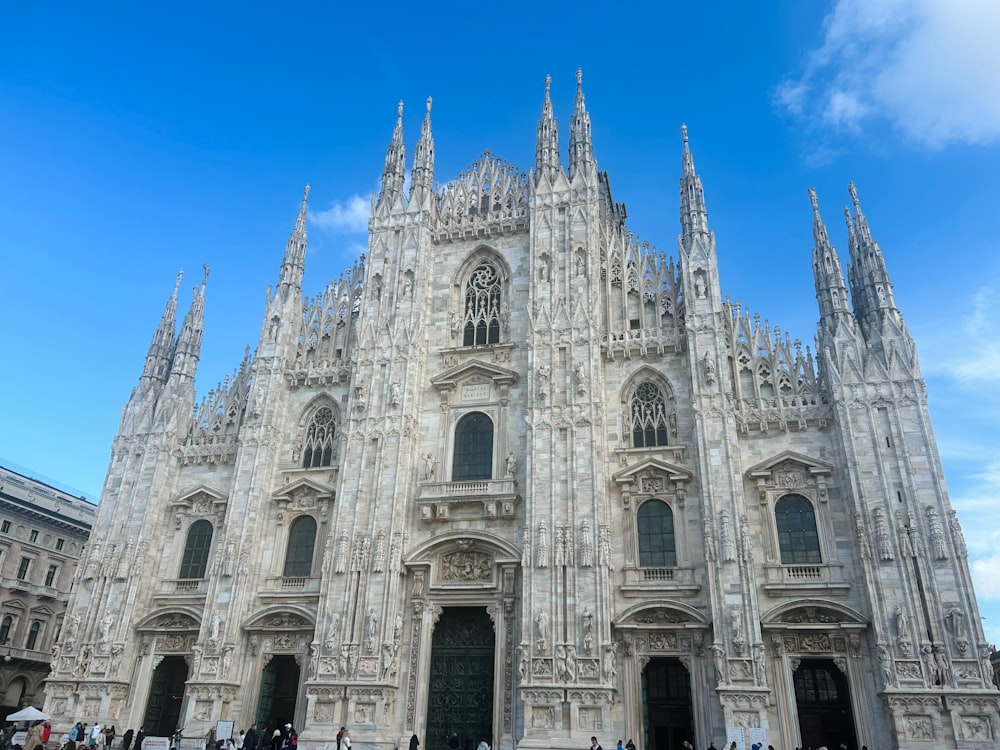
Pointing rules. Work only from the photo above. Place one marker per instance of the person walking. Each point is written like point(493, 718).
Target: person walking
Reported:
point(139, 737)
point(95, 734)
point(594, 744)
point(34, 739)
point(127, 739)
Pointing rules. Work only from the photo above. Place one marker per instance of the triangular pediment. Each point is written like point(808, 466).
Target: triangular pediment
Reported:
point(813, 466)
point(198, 494)
point(306, 486)
point(652, 466)
point(485, 371)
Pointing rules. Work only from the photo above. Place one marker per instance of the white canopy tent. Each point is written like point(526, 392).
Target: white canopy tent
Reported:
point(27, 714)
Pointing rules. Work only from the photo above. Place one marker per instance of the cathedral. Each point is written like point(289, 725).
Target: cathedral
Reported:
point(518, 477)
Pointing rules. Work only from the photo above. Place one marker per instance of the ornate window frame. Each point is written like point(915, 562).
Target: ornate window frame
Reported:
point(496, 311)
point(791, 473)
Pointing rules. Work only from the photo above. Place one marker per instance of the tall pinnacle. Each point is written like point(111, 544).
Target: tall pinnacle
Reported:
point(394, 173)
point(423, 158)
point(871, 288)
point(831, 290)
point(547, 142)
point(694, 215)
point(161, 348)
point(188, 347)
point(293, 265)
point(581, 146)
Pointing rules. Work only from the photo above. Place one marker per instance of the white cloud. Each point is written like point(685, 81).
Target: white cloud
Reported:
point(969, 366)
point(986, 576)
point(927, 67)
point(350, 216)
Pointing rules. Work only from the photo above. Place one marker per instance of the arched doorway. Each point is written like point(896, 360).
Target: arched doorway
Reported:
point(666, 692)
point(166, 693)
point(460, 689)
point(823, 702)
point(279, 689)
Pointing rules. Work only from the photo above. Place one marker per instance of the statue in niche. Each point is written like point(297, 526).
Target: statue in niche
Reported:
point(708, 366)
point(544, 374)
point(700, 287)
point(727, 539)
point(588, 631)
point(580, 378)
point(395, 393)
point(609, 669)
point(581, 265)
point(430, 467)
point(511, 462)
point(541, 630)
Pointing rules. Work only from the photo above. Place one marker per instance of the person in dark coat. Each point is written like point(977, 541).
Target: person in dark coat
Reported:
point(127, 739)
point(251, 739)
point(139, 737)
point(414, 743)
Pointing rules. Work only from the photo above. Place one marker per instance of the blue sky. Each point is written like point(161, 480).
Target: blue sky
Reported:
point(138, 140)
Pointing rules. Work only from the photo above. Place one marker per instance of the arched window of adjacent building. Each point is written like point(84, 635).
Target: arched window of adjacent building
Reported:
point(473, 448)
point(648, 415)
point(797, 538)
point(301, 545)
point(33, 631)
point(481, 323)
point(5, 625)
point(320, 434)
point(196, 551)
point(657, 543)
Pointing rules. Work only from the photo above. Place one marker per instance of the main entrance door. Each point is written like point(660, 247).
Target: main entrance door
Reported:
point(279, 688)
point(460, 690)
point(163, 709)
point(824, 704)
point(666, 687)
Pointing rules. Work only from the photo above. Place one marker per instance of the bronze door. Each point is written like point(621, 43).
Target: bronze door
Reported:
point(460, 689)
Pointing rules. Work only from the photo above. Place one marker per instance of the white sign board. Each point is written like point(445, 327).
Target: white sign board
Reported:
point(735, 734)
point(156, 743)
point(758, 735)
point(19, 738)
point(224, 730)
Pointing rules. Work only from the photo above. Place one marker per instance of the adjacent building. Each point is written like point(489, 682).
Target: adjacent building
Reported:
point(517, 476)
point(43, 532)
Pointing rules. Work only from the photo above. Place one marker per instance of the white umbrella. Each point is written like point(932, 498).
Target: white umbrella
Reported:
point(27, 714)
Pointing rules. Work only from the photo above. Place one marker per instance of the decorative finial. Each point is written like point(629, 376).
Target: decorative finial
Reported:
point(847, 216)
point(579, 79)
point(177, 283)
point(208, 270)
point(428, 105)
point(684, 133)
point(305, 193)
point(854, 195)
point(815, 202)
point(548, 83)
point(400, 108)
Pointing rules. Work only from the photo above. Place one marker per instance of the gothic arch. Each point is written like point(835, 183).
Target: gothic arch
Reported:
point(481, 253)
point(645, 372)
point(321, 399)
point(648, 410)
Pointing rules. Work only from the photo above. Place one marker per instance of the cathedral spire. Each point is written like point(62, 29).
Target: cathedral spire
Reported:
point(547, 143)
point(581, 146)
point(188, 347)
point(831, 291)
point(422, 176)
point(293, 265)
point(694, 215)
point(871, 289)
point(394, 172)
point(161, 348)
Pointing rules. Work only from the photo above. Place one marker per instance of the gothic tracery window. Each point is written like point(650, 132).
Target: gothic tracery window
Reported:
point(482, 305)
point(798, 540)
point(648, 416)
point(320, 434)
point(657, 542)
point(301, 546)
point(194, 564)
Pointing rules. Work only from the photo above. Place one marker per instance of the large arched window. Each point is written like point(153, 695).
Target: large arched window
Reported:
point(5, 625)
point(33, 631)
point(481, 323)
point(657, 544)
point(797, 537)
point(301, 545)
point(648, 415)
point(320, 434)
point(199, 544)
point(473, 448)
